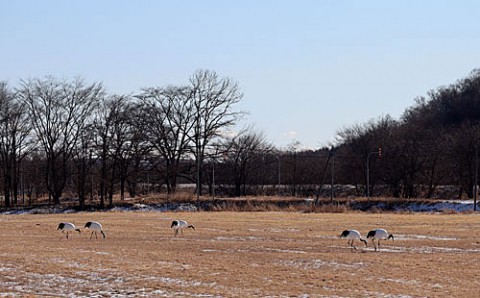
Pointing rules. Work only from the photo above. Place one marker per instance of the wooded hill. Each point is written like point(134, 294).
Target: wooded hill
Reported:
point(434, 143)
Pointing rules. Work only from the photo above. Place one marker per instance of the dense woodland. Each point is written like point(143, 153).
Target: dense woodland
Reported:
point(70, 140)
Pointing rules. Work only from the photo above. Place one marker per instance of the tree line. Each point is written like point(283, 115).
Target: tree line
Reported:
point(62, 136)
point(67, 139)
point(434, 144)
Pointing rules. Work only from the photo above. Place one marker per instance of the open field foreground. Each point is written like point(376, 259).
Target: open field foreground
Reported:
point(262, 254)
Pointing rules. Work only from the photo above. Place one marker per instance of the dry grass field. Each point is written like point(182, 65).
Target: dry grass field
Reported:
point(244, 254)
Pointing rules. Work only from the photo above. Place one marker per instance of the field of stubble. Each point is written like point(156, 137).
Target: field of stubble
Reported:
point(264, 254)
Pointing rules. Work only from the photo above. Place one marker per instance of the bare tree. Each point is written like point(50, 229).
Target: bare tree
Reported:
point(108, 119)
point(169, 115)
point(240, 151)
point(214, 100)
point(59, 112)
point(82, 161)
point(139, 147)
point(15, 140)
point(128, 139)
point(361, 143)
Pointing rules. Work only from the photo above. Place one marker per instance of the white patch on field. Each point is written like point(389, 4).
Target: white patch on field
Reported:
point(248, 238)
point(327, 237)
point(319, 264)
point(229, 250)
point(424, 237)
point(435, 249)
point(94, 252)
point(98, 283)
point(278, 230)
point(9, 294)
point(285, 250)
point(5, 269)
point(390, 249)
point(383, 295)
point(67, 263)
point(423, 250)
point(399, 280)
point(359, 247)
point(211, 250)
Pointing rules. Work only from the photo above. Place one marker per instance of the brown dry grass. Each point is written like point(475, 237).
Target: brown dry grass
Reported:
point(247, 254)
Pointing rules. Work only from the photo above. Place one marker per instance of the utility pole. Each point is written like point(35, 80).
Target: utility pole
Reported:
point(476, 179)
point(278, 182)
point(333, 177)
point(198, 173)
point(213, 179)
point(213, 173)
point(379, 152)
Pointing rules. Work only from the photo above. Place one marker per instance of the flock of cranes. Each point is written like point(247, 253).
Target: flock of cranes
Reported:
point(92, 225)
point(377, 234)
point(179, 225)
point(96, 227)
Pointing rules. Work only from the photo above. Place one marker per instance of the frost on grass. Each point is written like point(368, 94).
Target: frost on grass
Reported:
point(383, 295)
point(319, 264)
point(424, 237)
point(101, 283)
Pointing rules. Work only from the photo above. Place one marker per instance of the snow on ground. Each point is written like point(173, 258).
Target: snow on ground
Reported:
point(318, 264)
point(456, 206)
point(435, 206)
point(102, 283)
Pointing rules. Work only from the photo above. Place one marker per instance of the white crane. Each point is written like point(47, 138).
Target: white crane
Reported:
point(379, 234)
point(179, 225)
point(69, 227)
point(95, 227)
point(352, 235)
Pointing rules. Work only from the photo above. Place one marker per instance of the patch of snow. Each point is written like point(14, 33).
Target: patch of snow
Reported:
point(249, 238)
point(319, 264)
point(168, 207)
point(423, 237)
point(94, 252)
point(277, 230)
point(383, 295)
point(400, 281)
point(436, 249)
point(457, 206)
point(285, 250)
point(437, 206)
point(49, 210)
point(423, 250)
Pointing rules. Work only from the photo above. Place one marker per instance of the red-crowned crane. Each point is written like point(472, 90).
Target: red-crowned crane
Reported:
point(95, 227)
point(68, 227)
point(379, 234)
point(179, 225)
point(353, 235)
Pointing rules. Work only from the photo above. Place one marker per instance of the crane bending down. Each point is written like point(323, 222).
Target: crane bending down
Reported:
point(68, 227)
point(352, 235)
point(95, 227)
point(179, 225)
point(379, 234)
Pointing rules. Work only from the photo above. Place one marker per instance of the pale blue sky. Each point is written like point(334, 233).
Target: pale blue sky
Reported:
point(307, 68)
